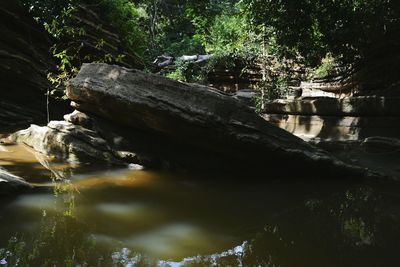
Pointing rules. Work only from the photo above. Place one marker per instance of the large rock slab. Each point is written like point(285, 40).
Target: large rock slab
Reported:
point(199, 118)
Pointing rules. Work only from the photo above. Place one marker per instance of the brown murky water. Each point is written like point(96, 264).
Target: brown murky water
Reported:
point(96, 216)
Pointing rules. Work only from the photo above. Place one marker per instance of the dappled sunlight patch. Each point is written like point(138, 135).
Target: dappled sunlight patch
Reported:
point(17, 154)
point(35, 202)
point(105, 181)
point(178, 240)
point(118, 209)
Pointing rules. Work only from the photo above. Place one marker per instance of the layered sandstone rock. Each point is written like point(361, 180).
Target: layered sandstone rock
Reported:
point(137, 116)
point(324, 118)
point(24, 63)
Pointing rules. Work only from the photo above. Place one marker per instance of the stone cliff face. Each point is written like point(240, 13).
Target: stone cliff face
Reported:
point(361, 129)
point(24, 62)
point(336, 119)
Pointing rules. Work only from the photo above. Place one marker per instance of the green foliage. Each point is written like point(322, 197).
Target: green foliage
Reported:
point(73, 45)
point(185, 46)
point(46, 11)
point(326, 67)
point(65, 71)
point(346, 29)
point(202, 14)
point(234, 31)
point(189, 72)
point(180, 74)
point(277, 86)
point(223, 31)
point(125, 16)
point(167, 29)
point(232, 35)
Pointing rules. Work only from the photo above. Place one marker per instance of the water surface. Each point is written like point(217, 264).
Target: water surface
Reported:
point(119, 217)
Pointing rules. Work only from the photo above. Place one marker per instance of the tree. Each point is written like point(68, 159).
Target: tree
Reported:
point(348, 29)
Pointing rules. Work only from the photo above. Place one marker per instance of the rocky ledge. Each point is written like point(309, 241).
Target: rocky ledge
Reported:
point(348, 127)
point(128, 116)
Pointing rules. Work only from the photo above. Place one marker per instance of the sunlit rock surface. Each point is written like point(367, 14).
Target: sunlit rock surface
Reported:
point(336, 127)
point(328, 106)
point(66, 141)
point(349, 118)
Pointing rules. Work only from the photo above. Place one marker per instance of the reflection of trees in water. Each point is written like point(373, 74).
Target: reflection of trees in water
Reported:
point(60, 239)
point(355, 228)
point(358, 227)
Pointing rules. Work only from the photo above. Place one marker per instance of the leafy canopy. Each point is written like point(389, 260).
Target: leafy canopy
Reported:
point(348, 29)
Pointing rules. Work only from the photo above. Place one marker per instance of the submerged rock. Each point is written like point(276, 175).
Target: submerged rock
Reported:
point(11, 184)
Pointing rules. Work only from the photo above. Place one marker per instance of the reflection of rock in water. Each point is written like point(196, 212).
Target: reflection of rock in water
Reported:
point(57, 173)
point(355, 227)
point(11, 184)
point(350, 229)
point(3, 148)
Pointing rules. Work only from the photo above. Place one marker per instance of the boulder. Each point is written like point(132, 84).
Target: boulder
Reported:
point(66, 141)
point(11, 184)
point(196, 120)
